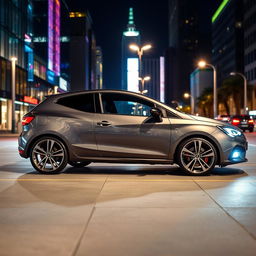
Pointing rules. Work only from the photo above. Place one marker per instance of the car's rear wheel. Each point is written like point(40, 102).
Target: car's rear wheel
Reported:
point(48, 155)
point(251, 130)
point(79, 164)
point(197, 156)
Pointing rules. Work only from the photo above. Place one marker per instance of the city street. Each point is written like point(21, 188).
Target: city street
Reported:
point(126, 210)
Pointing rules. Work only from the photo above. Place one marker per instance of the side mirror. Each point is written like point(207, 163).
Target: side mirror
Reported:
point(156, 114)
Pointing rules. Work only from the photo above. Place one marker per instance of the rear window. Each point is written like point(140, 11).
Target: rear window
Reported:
point(82, 102)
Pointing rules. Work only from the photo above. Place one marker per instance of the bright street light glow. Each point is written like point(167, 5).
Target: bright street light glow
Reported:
point(146, 78)
point(13, 59)
point(134, 47)
point(186, 95)
point(201, 63)
point(146, 47)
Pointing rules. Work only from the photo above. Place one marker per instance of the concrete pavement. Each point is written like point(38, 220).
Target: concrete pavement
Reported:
point(116, 209)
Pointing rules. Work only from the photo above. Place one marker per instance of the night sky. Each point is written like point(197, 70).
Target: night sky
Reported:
point(110, 19)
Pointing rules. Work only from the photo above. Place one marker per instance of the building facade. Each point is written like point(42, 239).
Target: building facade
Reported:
point(154, 68)
point(200, 79)
point(15, 46)
point(82, 52)
point(227, 46)
point(250, 47)
point(189, 41)
point(130, 61)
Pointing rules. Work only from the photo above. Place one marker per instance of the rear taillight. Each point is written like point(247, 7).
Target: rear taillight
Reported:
point(250, 121)
point(235, 121)
point(27, 120)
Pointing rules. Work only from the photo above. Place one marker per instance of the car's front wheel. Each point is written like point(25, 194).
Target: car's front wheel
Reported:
point(48, 155)
point(197, 156)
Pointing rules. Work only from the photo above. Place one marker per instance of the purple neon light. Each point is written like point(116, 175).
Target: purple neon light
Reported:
point(54, 36)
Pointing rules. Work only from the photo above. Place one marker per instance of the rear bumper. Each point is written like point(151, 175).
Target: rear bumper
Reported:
point(22, 146)
point(246, 126)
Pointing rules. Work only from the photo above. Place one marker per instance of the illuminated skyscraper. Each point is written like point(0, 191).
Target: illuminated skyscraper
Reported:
point(130, 61)
point(189, 40)
point(47, 35)
point(227, 43)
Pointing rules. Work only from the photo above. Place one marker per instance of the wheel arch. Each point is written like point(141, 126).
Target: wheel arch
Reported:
point(203, 136)
point(48, 134)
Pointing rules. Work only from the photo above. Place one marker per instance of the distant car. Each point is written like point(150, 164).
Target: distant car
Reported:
point(124, 127)
point(244, 122)
point(224, 118)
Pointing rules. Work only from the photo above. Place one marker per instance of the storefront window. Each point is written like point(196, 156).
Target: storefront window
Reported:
point(3, 114)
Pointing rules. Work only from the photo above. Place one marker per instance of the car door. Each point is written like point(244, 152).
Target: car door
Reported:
point(124, 128)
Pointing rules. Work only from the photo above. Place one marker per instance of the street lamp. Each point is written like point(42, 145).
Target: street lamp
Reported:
point(140, 51)
point(186, 96)
point(143, 80)
point(13, 60)
point(203, 64)
point(245, 88)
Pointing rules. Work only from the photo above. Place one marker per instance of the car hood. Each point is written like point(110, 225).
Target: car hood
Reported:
point(208, 120)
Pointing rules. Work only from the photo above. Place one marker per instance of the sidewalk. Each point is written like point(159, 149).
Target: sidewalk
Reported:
point(8, 134)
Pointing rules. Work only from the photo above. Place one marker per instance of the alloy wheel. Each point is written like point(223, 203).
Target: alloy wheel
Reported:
point(197, 156)
point(48, 155)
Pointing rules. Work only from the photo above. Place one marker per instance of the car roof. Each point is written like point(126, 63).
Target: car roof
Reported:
point(60, 95)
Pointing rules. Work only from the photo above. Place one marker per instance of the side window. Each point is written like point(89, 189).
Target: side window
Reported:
point(82, 102)
point(121, 104)
point(171, 115)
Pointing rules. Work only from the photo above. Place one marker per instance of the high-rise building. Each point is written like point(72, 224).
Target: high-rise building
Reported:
point(200, 79)
point(15, 42)
point(46, 26)
point(130, 61)
point(189, 40)
point(227, 46)
point(82, 52)
point(250, 47)
point(154, 68)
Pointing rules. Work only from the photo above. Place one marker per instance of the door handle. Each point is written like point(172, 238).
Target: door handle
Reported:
point(104, 123)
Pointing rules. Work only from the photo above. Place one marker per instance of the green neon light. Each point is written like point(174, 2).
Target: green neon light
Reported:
point(131, 33)
point(219, 10)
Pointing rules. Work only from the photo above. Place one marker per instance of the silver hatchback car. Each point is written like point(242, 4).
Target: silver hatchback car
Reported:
point(78, 128)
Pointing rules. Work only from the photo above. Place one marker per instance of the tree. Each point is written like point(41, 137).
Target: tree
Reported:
point(233, 87)
point(205, 102)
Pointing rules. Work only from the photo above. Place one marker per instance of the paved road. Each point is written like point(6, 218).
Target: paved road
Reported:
point(126, 209)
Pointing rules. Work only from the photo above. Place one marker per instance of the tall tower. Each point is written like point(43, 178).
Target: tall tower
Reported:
point(130, 61)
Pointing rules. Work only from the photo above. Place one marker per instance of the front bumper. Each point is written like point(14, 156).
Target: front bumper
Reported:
point(228, 162)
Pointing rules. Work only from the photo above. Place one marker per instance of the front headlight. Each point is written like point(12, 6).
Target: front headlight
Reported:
point(231, 132)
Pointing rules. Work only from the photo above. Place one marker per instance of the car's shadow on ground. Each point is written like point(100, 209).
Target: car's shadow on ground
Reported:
point(139, 170)
point(147, 170)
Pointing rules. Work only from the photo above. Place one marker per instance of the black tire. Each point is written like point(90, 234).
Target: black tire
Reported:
point(251, 130)
point(196, 156)
point(78, 164)
point(48, 155)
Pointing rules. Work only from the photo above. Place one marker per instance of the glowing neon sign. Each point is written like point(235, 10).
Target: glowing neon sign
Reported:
point(133, 74)
point(54, 36)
